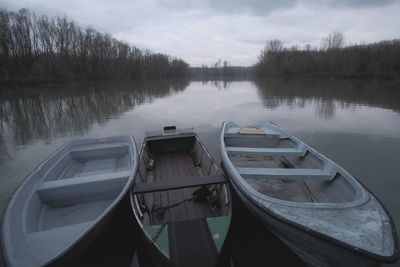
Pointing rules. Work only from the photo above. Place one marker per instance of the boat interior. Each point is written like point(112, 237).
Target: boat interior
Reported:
point(182, 165)
point(78, 186)
point(277, 166)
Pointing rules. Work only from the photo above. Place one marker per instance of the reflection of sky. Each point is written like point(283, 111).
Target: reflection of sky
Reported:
point(199, 105)
point(207, 106)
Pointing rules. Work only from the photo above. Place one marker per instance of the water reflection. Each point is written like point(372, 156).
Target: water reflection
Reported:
point(4, 155)
point(327, 95)
point(31, 113)
point(220, 84)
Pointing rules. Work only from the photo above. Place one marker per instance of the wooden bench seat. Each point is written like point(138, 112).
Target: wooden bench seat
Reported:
point(178, 184)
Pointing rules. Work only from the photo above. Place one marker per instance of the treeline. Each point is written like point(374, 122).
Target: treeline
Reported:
point(332, 59)
point(220, 70)
point(42, 48)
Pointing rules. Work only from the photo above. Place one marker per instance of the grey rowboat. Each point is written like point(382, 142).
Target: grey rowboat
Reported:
point(312, 204)
point(63, 202)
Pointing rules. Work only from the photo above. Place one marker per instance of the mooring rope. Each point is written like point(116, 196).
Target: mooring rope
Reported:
point(161, 210)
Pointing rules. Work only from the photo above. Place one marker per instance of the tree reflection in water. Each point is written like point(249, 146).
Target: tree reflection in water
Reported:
point(326, 95)
point(29, 113)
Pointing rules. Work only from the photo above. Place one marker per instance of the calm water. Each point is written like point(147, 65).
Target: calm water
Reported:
point(356, 124)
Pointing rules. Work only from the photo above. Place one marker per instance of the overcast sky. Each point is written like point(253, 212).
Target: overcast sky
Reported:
point(203, 31)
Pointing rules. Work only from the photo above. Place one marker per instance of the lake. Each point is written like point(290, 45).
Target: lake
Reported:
point(354, 123)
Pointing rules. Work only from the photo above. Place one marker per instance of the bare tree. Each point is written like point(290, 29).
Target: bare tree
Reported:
point(332, 59)
point(274, 46)
point(57, 48)
point(334, 40)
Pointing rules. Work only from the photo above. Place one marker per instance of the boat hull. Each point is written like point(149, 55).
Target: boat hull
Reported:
point(313, 250)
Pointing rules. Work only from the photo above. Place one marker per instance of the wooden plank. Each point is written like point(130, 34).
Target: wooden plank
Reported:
point(283, 173)
point(295, 152)
point(178, 167)
point(176, 213)
point(160, 198)
point(190, 171)
point(177, 161)
point(254, 136)
point(178, 184)
point(250, 131)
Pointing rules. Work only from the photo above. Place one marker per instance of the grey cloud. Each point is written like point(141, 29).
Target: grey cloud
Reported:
point(350, 3)
point(265, 7)
point(256, 7)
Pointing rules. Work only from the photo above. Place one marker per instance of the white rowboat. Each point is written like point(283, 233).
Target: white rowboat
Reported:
point(325, 215)
point(62, 203)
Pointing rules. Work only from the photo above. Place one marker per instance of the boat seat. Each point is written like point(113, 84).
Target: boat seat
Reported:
point(99, 150)
point(178, 184)
point(71, 191)
point(251, 131)
point(278, 151)
point(285, 173)
point(254, 136)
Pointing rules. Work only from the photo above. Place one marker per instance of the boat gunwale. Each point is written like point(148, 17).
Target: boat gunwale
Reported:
point(136, 209)
point(59, 151)
point(12, 199)
point(257, 204)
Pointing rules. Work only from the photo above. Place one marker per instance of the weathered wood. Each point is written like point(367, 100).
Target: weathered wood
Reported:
point(192, 207)
point(178, 167)
point(163, 196)
point(295, 152)
point(175, 168)
point(178, 184)
point(250, 131)
point(253, 136)
point(283, 173)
